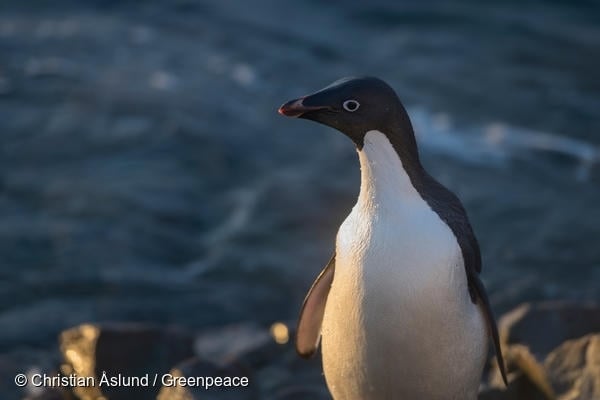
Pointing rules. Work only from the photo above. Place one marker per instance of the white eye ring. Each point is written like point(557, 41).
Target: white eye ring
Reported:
point(351, 105)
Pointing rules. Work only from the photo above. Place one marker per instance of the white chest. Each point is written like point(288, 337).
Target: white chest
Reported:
point(403, 252)
point(398, 315)
point(392, 238)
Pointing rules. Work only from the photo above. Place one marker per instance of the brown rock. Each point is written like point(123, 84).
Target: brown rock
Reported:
point(574, 368)
point(548, 354)
point(544, 326)
point(525, 366)
point(131, 350)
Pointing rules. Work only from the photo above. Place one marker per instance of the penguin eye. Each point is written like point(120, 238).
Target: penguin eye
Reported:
point(351, 105)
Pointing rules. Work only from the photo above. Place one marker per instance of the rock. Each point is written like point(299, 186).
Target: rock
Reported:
point(524, 365)
point(529, 383)
point(574, 368)
point(519, 388)
point(550, 353)
point(190, 381)
point(267, 357)
point(544, 326)
point(131, 350)
point(572, 372)
point(284, 377)
point(245, 350)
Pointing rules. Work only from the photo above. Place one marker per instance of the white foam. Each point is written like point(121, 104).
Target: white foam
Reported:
point(243, 74)
point(498, 143)
point(163, 80)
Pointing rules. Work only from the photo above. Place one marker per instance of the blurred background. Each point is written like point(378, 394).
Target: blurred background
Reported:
point(145, 174)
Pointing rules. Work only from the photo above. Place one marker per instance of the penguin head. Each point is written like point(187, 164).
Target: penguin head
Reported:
point(353, 106)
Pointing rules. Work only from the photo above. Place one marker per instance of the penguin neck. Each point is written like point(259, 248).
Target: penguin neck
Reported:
point(388, 176)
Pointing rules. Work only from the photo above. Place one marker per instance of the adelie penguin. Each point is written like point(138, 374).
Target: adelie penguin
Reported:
point(400, 309)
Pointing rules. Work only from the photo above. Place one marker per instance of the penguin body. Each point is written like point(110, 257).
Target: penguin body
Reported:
point(400, 308)
point(399, 314)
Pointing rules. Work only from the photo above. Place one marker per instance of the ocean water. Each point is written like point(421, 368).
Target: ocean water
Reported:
point(145, 174)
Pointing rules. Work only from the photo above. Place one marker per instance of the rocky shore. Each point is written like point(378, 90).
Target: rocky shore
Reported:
point(552, 350)
point(553, 353)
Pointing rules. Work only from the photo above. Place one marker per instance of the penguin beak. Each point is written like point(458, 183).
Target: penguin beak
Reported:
point(296, 108)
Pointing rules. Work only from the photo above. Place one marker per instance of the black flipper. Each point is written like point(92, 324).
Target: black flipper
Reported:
point(308, 333)
point(476, 286)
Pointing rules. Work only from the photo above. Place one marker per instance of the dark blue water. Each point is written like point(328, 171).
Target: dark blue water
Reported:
point(145, 174)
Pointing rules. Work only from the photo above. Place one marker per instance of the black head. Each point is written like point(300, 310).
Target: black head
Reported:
point(355, 106)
